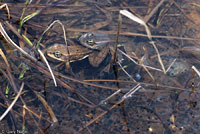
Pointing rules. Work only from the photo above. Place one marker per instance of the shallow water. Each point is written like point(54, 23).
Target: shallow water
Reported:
point(168, 104)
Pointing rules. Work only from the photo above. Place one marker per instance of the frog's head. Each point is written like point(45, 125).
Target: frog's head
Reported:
point(56, 52)
point(88, 40)
point(94, 40)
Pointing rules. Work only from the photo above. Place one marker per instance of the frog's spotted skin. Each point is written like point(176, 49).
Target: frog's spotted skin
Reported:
point(72, 53)
point(94, 45)
point(94, 40)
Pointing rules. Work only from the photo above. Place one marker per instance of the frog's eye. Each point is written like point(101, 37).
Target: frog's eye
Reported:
point(90, 35)
point(91, 42)
point(57, 54)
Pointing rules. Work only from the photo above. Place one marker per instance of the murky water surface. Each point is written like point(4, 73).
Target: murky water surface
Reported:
point(88, 98)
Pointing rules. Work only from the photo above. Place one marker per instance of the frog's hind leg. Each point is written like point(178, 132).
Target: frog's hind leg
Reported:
point(96, 58)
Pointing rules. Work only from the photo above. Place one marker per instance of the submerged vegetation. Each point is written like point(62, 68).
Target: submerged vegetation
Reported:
point(100, 67)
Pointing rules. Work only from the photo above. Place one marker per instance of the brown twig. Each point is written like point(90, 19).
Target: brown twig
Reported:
point(147, 18)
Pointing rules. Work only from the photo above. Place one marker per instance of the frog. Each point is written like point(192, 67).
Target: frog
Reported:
point(98, 42)
point(95, 46)
point(94, 40)
point(67, 53)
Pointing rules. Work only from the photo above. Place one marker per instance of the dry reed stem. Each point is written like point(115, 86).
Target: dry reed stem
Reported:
point(10, 78)
point(64, 35)
point(12, 104)
point(117, 37)
point(126, 72)
point(109, 97)
point(129, 94)
point(50, 70)
point(146, 18)
point(112, 32)
point(8, 39)
point(170, 65)
point(101, 24)
point(142, 83)
point(4, 57)
point(48, 108)
point(63, 28)
point(153, 68)
point(132, 91)
point(159, 58)
point(145, 68)
point(140, 21)
point(31, 111)
point(3, 32)
point(7, 9)
point(195, 69)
